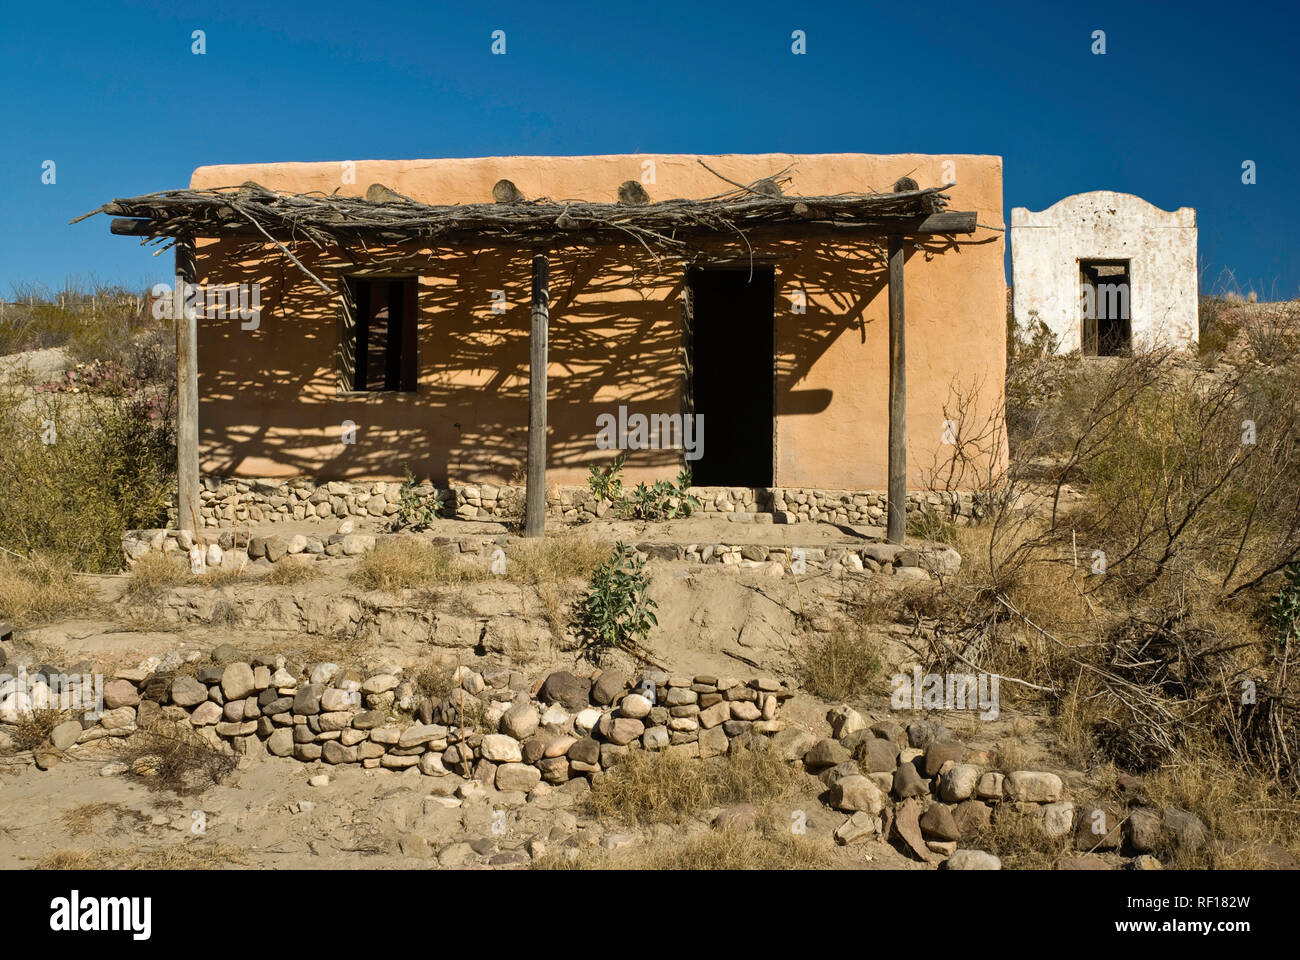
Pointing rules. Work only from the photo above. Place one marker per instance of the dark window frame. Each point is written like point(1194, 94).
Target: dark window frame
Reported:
point(363, 295)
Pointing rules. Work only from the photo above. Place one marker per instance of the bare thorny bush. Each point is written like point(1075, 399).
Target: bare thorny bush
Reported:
point(1120, 559)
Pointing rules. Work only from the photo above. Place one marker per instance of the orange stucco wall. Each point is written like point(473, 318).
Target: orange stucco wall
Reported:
point(270, 405)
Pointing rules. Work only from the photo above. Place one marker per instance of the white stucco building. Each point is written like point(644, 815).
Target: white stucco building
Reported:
point(1106, 270)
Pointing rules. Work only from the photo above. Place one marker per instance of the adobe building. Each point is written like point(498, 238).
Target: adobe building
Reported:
point(1106, 272)
point(404, 309)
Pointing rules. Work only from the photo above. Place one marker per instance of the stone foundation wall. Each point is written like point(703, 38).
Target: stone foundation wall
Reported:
point(230, 502)
point(496, 728)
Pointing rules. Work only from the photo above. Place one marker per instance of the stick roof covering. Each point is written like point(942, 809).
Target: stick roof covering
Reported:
point(383, 216)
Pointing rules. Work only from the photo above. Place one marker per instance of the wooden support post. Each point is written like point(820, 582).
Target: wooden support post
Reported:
point(896, 530)
point(187, 391)
point(535, 493)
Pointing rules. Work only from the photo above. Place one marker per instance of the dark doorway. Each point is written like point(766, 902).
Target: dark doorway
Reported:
point(1104, 295)
point(730, 370)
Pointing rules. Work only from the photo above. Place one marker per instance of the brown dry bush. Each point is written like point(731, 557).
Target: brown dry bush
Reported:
point(153, 574)
point(1142, 657)
point(34, 729)
point(173, 757)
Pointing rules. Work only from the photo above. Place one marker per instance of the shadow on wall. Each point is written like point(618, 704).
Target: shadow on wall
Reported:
point(271, 403)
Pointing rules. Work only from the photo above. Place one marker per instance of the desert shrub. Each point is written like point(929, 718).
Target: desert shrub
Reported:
point(408, 563)
point(661, 500)
point(96, 322)
point(1140, 612)
point(1195, 478)
point(615, 612)
point(416, 510)
point(1272, 333)
point(77, 469)
point(649, 787)
point(607, 483)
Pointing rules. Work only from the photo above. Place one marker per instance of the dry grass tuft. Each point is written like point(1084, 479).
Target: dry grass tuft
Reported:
point(80, 819)
point(289, 573)
point(1242, 812)
point(186, 855)
point(222, 576)
point(1018, 840)
point(435, 681)
point(669, 787)
point(768, 849)
point(1010, 755)
point(555, 559)
point(39, 591)
point(841, 664)
point(153, 574)
point(408, 563)
point(554, 568)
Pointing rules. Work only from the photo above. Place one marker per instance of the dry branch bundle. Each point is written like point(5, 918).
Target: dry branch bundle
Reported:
point(382, 216)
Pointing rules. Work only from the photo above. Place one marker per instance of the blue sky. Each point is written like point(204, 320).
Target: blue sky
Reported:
point(1184, 94)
